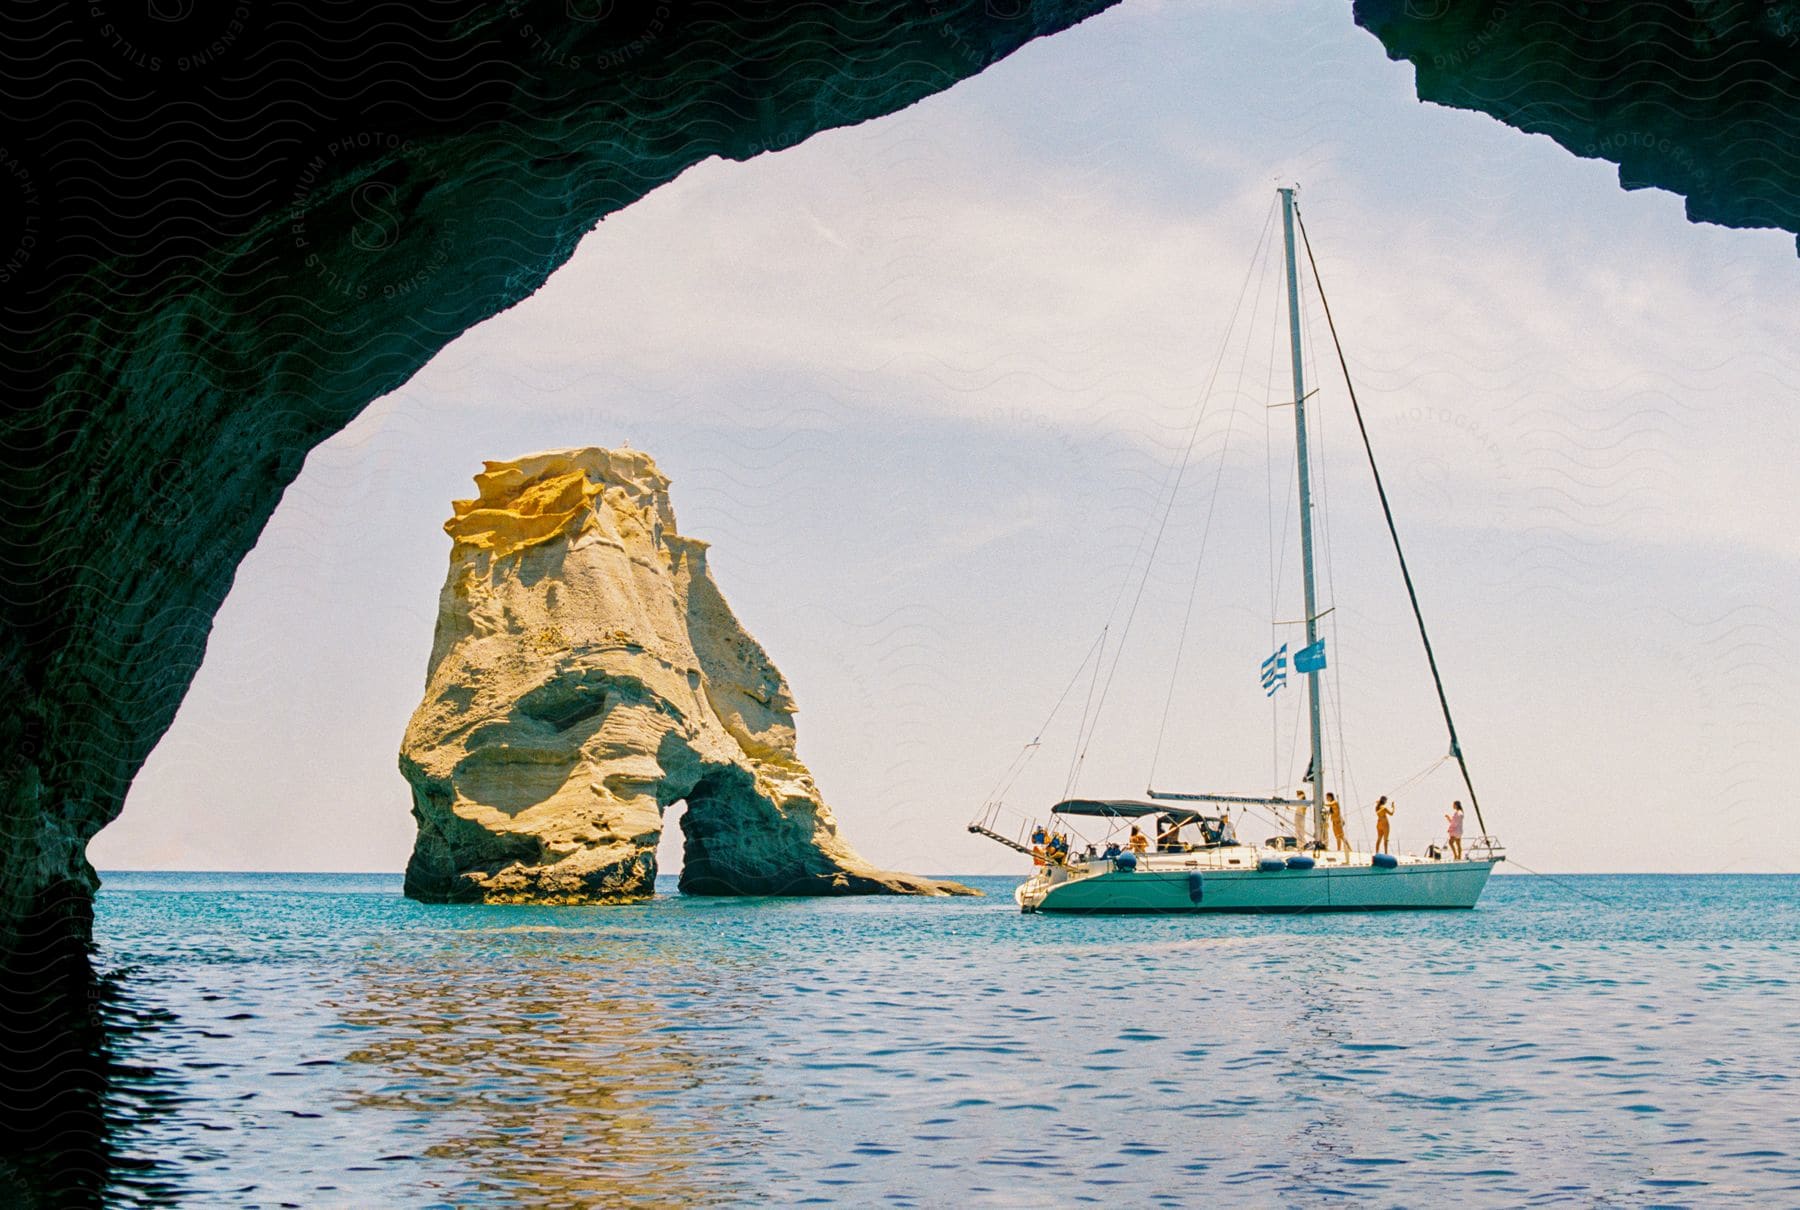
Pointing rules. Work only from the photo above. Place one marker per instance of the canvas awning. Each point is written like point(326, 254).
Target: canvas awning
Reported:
point(1125, 808)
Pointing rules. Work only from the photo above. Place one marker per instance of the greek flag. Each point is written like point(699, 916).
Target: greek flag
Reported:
point(1274, 671)
point(1310, 659)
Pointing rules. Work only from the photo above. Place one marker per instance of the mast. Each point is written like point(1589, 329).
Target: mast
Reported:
point(1306, 538)
point(1394, 533)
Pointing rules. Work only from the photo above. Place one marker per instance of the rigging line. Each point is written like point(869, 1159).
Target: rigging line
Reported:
point(1388, 514)
point(1569, 887)
point(1075, 761)
point(1275, 544)
point(1421, 775)
point(1334, 682)
point(1174, 472)
point(1031, 749)
point(1169, 508)
point(1294, 745)
point(1065, 693)
point(1212, 503)
point(1269, 499)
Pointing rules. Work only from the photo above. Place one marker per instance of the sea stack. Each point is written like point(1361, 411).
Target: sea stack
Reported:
point(587, 674)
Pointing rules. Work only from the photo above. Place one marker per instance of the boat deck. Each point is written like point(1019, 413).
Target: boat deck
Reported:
point(1232, 879)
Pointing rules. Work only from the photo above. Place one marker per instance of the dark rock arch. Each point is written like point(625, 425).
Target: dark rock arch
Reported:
point(226, 244)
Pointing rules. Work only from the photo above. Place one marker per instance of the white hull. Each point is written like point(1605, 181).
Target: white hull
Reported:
point(1229, 880)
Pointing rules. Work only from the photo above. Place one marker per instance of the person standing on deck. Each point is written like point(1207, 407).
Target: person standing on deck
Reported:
point(1301, 811)
point(1227, 830)
point(1455, 820)
point(1337, 823)
point(1384, 814)
point(1138, 843)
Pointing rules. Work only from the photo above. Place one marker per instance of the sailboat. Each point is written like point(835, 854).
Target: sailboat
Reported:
point(1283, 873)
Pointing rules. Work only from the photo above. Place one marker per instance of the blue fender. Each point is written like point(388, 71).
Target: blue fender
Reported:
point(1299, 863)
point(1125, 863)
point(1196, 887)
point(1384, 861)
point(1269, 865)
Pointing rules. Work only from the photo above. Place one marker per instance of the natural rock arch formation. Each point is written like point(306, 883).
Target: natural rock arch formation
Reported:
point(586, 675)
point(242, 225)
point(235, 225)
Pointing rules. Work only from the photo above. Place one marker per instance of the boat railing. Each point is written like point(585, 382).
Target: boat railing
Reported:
point(1486, 848)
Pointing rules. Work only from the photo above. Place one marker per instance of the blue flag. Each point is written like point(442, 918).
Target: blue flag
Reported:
point(1274, 671)
point(1310, 659)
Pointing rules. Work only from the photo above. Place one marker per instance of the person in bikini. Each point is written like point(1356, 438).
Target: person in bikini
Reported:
point(1384, 814)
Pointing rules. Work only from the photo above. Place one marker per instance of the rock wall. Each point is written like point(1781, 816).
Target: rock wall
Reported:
point(586, 675)
point(230, 227)
point(1700, 99)
point(238, 225)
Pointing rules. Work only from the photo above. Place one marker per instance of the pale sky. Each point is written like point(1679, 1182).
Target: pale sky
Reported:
point(920, 382)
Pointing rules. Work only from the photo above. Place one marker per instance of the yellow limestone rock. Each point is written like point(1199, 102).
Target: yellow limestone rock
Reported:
point(586, 675)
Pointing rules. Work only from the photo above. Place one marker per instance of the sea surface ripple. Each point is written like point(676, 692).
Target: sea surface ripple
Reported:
point(318, 1040)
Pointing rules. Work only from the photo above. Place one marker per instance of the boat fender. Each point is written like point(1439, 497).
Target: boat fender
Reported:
point(1269, 865)
point(1384, 861)
point(1125, 863)
point(1196, 887)
point(1299, 863)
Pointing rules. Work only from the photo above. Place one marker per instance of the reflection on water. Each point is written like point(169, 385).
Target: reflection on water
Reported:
point(326, 1043)
point(580, 1067)
point(73, 1114)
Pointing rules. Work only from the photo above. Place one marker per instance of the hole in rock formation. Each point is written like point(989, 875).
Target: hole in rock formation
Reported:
point(266, 222)
point(587, 675)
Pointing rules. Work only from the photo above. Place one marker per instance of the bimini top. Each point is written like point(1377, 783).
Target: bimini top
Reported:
point(1125, 808)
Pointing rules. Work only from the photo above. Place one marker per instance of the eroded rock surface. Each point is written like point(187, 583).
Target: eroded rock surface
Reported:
point(586, 675)
point(229, 228)
point(1700, 99)
point(233, 227)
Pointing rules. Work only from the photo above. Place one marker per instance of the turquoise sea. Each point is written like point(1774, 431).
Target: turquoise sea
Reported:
point(317, 1040)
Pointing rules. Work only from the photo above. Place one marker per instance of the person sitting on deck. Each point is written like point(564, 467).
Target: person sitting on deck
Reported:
point(1138, 843)
point(1384, 815)
point(1227, 830)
